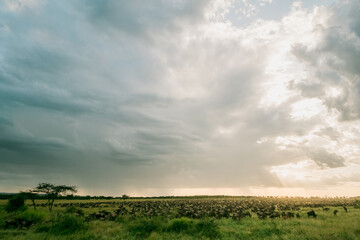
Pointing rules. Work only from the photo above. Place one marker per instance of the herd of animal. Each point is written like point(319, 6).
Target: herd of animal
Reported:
point(199, 208)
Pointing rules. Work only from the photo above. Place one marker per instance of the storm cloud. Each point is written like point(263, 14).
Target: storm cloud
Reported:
point(151, 98)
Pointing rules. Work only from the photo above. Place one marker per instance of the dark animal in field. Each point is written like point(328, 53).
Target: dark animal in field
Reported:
point(326, 209)
point(262, 215)
point(274, 215)
point(102, 215)
point(287, 215)
point(311, 214)
point(345, 208)
point(297, 215)
point(236, 216)
point(247, 214)
point(290, 215)
point(18, 223)
point(335, 212)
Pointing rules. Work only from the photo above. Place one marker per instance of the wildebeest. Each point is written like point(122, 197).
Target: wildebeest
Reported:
point(345, 208)
point(274, 215)
point(335, 212)
point(297, 215)
point(18, 223)
point(311, 214)
point(287, 215)
point(290, 215)
point(247, 214)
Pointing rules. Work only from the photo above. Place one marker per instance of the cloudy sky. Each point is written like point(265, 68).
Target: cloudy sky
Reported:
point(181, 97)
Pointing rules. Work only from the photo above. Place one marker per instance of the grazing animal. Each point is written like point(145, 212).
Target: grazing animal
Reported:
point(311, 214)
point(335, 212)
point(345, 208)
point(287, 215)
point(290, 215)
point(274, 215)
point(297, 215)
point(247, 214)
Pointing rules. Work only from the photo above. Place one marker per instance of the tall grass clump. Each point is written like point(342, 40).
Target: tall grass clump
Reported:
point(208, 228)
point(181, 225)
point(142, 228)
point(2, 222)
point(357, 204)
point(75, 210)
point(66, 225)
point(33, 216)
point(204, 227)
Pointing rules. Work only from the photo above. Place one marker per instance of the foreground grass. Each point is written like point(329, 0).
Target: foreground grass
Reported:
point(60, 225)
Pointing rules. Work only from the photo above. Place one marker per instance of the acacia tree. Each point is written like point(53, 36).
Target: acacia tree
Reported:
point(52, 191)
point(31, 194)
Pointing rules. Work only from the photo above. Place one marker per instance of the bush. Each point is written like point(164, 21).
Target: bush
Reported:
point(16, 203)
point(33, 216)
point(208, 228)
point(123, 218)
point(357, 204)
point(2, 223)
point(181, 225)
point(76, 210)
point(43, 228)
point(142, 228)
point(66, 224)
point(23, 219)
point(203, 227)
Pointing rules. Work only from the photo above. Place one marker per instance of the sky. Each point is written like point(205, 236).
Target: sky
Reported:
point(181, 97)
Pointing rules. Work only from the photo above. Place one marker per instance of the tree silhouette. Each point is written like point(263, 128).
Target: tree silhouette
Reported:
point(30, 194)
point(125, 196)
point(52, 191)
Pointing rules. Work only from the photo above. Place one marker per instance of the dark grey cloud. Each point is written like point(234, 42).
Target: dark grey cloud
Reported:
point(41, 96)
point(157, 95)
point(326, 159)
point(28, 145)
point(144, 18)
point(5, 122)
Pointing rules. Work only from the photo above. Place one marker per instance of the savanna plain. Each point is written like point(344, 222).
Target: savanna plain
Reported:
point(184, 218)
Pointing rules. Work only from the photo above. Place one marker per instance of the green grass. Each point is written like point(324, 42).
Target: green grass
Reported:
point(65, 223)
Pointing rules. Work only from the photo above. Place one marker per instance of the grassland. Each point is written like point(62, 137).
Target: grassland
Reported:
point(185, 219)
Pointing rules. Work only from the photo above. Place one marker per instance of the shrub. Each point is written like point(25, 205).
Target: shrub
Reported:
point(123, 218)
point(2, 223)
point(16, 203)
point(67, 224)
point(23, 219)
point(34, 216)
point(181, 225)
point(208, 228)
point(357, 204)
point(76, 210)
point(71, 209)
point(203, 227)
point(142, 228)
point(43, 228)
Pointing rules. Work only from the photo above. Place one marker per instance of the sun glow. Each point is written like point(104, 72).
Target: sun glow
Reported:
point(306, 109)
point(294, 171)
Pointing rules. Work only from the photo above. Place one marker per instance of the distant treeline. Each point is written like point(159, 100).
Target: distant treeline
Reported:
point(78, 197)
point(72, 197)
